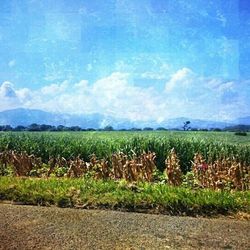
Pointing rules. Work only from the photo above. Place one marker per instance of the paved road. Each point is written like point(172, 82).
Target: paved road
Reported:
point(27, 227)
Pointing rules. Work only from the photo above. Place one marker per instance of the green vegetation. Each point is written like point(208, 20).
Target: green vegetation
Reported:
point(151, 197)
point(241, 133)
point(212, 145)
point(100, 188)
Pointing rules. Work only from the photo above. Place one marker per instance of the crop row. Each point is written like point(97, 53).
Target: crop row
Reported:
point(70, 146)
point(220, 174)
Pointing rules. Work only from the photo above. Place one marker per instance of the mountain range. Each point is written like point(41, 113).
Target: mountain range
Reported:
point(25, 117)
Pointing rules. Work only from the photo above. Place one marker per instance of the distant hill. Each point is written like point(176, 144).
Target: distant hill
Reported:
point(195, 123)
point(243, 120)
point(26, 117)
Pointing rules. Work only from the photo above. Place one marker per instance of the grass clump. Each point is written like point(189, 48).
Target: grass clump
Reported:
point(141, 197)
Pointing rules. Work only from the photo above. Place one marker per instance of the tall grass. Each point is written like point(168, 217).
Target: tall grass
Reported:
point(103, 144)
point(150, 197)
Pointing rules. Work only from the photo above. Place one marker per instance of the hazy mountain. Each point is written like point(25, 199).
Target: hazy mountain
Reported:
point(243, 120)
point(26, 117)
point(196, 123)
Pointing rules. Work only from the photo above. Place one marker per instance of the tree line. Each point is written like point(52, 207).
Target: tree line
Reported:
point(45, 127)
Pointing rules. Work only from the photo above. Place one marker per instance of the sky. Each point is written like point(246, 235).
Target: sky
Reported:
point(137, 60)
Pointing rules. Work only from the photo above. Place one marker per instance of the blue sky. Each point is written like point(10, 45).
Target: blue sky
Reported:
point(147, 59)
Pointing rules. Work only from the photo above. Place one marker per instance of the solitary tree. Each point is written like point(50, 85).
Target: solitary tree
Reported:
point(186, 125)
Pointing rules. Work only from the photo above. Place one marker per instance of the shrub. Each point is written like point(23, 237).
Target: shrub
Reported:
point(241, 133)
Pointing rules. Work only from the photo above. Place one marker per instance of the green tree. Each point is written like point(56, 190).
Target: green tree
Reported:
point(186, 125)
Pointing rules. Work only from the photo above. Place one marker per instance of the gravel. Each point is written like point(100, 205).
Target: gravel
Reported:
point(30, 227)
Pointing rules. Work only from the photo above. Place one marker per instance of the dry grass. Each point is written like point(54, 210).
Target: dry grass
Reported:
point(218, 175)
point(221, 173)
point(173, 170)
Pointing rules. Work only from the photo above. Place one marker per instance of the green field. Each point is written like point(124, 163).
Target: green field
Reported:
point(190, 197)
point(212, 145)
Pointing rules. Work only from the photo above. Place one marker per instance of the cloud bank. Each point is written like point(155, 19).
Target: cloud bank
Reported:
point(184, 94)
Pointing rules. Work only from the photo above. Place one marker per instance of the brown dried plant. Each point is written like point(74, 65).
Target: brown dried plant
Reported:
point(199, 168)
point(173, 170)
point(100, 167)
point(137, 169)
point(23, 163)
point(118, 162)
point(57, 162)
point(148, 165)
point(221, 174)
point(77, 168)
point(5, 158)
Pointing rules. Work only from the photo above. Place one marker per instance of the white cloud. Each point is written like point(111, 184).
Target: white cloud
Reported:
point(200, 97)
point(181, 78)
point(8, 97)
point(24, 94)
point(55, 89)
point(6, 90)
point(83, 84)
point(186, 94)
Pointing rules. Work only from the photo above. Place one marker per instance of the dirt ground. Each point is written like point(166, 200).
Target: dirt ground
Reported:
point(30, 227)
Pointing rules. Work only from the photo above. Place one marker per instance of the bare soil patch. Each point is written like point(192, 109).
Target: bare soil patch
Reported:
point(31, 227)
